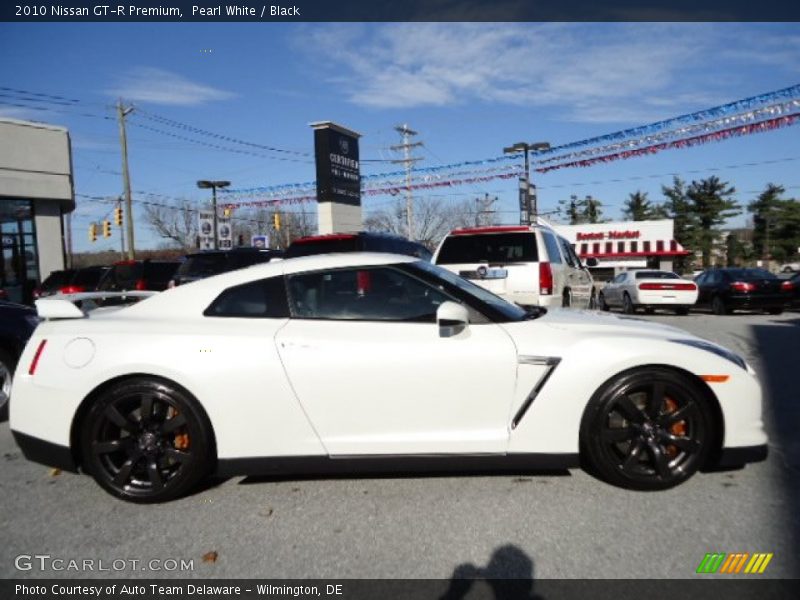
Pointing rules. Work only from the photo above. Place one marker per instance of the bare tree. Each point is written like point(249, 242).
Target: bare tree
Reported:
point(176, 222)
point(432, 219)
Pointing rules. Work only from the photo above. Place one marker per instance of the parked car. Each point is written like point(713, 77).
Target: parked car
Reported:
point(17, 323)
point(53, 282)
point(358, 362)
point(139, 275)
point(84, 280)
point(363, 241)
point(789, 267)
point(729, 289)
point(532, 266)
point(206, 263)
point(792, 287)
point(648, 289)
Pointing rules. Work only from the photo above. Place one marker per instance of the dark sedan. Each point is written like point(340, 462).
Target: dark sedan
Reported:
point(200, 265)
point(726, 290)
point(17, 323)
point(792, 285)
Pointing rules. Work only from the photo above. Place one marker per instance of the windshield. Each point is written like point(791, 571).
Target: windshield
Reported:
point(495, 248)
point(504, 309)
point(750, 274)
point(202, 265)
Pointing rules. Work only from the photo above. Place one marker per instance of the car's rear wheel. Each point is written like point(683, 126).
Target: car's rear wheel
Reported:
point(682, 310)
point(627, 304)
point(718, 306)
point(146, 440)
point(7, 366)
point(649, 429)
point(566, 299)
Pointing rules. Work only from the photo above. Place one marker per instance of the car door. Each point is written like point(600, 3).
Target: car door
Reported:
point(611, 292)
point(363, 353)
point(580, 280)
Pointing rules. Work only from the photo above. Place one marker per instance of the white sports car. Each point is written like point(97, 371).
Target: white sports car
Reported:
point(370, 362)
point(648, 289)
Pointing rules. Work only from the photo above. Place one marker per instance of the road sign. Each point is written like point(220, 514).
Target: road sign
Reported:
point(206, 229)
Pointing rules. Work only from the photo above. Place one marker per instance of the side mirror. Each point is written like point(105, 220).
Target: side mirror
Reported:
point(591, 262)
point(452, 318)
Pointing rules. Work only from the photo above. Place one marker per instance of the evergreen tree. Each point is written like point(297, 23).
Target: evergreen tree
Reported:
point(574, 209)
point(711, 203)
point(677, 207)
point(766, 210)
point(639, 208)
point(592, 210)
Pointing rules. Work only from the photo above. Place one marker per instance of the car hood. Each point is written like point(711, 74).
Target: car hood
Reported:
point(593, 322)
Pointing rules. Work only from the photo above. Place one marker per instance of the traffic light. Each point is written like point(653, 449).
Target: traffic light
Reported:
point(92, 232)
point(106, 228)
point(276, 220)
point(226, 212)
point(118, 216)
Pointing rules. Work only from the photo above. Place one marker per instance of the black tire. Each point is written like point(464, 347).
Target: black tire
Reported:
point(566, 299)
point(682, 311)
point(627, 304)
point(718, 306)
point(151, 458)
point(7, 365)
point(649, 310)
point(775, 311)
point(647, 429)
point(592, 301)
point(601, 302)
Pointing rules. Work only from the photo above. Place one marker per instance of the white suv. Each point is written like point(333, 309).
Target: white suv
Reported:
point(529, 265)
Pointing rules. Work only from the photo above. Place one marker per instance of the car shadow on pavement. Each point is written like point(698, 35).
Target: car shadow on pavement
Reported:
point(778, 346)
point(521, 473)
point(507, 575)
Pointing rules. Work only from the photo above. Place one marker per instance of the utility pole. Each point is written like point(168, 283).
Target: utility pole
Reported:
point(530, 200)
point(122, 112)
point(121, 232)
point(408, 161)
point(68, 218)
point(482, 206)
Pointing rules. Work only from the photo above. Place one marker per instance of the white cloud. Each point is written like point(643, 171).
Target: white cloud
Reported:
point(157, 86)
point(589, 72)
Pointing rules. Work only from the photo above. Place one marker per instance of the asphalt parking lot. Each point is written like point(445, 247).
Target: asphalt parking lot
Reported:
point(555, 525)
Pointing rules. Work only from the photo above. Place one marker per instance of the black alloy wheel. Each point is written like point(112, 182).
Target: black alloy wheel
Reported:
point(145, 440)
point(649, 429)
point(7, 366)
point(718, 306)
point(627, 304)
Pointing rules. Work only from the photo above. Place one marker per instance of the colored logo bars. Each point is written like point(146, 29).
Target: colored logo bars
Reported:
point(740, 562)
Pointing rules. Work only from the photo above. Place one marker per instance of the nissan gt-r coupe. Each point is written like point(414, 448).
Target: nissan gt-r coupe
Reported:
point(357, 362)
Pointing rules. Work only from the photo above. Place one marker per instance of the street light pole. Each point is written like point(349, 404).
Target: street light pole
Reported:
point(206, 184)
point(525, 147)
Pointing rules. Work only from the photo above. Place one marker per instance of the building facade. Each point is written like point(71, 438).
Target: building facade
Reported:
point(624, 245)
point(36, 190)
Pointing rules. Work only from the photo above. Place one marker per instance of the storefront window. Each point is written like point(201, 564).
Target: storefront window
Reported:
point(19, 264)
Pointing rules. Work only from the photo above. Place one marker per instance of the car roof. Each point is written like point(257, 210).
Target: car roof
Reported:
point(192, 299)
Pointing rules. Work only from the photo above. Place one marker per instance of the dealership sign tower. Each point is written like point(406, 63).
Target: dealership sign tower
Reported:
point(338, 178)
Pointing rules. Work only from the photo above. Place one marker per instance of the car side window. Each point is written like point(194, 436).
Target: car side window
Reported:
point(553, 252)
point(366, 294)
point(265, 299)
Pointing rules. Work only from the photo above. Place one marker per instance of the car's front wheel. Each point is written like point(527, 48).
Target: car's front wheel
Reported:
point(648, 429)
point(601, 302)
point(146, 440)
point(627, 304)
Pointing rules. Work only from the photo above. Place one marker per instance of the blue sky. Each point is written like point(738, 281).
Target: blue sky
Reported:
point(468, 89)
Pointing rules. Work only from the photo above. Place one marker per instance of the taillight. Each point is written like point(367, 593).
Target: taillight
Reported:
point(171, 284)
point(36, 357)
point(141, 285)
point(72, 289)
point(668, 286)
point(545, 279)
point(743, 286)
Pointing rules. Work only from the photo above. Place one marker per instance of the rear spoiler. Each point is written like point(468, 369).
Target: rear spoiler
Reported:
point(62, 306)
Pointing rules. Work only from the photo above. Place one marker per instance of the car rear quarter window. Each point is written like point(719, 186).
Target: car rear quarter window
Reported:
point(263, 299)
point(202, 265)
point(495, 248)
point(551, 243)
point(343, 244)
